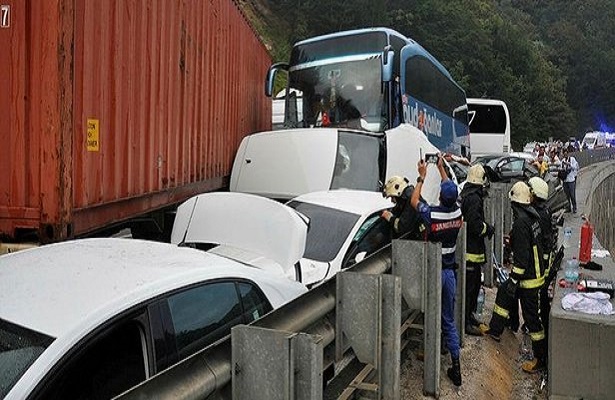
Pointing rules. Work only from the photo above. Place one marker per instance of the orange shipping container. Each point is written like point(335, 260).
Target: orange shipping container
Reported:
point(110, 109)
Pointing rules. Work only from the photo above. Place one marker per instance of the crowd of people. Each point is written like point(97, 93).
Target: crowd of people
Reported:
point(532, 240)
point(556, 159)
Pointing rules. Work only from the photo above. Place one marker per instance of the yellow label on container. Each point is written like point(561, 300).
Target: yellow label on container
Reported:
point(93, 139)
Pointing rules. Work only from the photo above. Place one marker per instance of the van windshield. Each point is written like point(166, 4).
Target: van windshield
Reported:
point(19, 348)
point(357, 165)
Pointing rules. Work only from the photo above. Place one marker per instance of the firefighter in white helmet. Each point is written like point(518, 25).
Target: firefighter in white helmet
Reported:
point(403, 218)
point(526, 278)
point(540, 195)
point(472, 207)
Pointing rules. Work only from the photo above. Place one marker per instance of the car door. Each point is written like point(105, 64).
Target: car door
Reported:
point(112, 360)
point(374, 234)
point(510, 168)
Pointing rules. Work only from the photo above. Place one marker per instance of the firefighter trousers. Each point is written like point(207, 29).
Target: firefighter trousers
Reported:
point(530, 310)
point(449, 328)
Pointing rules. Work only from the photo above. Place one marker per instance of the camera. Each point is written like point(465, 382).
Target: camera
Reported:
point(431, 158)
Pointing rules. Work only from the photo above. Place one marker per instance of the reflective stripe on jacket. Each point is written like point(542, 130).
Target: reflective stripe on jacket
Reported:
point(472, 208)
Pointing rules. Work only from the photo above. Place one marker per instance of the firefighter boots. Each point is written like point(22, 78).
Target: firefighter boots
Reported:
point(454, 372)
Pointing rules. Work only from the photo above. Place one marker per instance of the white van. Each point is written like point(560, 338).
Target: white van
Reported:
point(287, 163)
point(593, 140)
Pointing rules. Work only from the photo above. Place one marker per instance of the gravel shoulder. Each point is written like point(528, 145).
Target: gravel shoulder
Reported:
point(490, 370)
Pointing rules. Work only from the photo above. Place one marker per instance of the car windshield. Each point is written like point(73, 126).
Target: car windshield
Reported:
point(19, 348)
point(327, 232)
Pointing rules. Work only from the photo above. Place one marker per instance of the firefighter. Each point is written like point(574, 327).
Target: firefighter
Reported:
point(540, 195)
point(442, 224)
point(526, 277)
point(402, 218)
point(472, 202)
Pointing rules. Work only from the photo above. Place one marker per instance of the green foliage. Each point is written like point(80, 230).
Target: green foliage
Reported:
point(551, 61)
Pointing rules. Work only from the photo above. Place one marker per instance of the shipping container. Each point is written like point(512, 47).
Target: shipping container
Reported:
point(111, 109)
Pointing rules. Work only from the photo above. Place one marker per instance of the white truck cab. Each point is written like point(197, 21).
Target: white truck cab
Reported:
point(593, 140)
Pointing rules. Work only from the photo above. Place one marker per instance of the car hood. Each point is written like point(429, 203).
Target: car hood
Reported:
point(253, 226)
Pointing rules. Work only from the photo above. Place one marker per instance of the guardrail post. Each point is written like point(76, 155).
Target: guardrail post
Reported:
point(419, 264)
point(506, 210)
point(490, 204)
point(501, 210)
point(460, 298)
point(275, 365)
point(368, 319)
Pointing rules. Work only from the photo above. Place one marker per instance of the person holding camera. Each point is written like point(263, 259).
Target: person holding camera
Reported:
point(472, 208)
point(442, 224)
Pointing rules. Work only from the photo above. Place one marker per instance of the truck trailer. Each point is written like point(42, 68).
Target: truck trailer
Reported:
point(112, 110)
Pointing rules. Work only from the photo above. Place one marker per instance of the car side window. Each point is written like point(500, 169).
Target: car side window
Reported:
point(505, 165)
point(255, 304)
point(517, 165)
point(110, 365)
point(373, 234)
point(204, 314)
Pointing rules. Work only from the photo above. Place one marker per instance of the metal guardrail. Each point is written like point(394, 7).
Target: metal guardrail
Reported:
point(588, 157)
point(209, 370)
point(357, 309)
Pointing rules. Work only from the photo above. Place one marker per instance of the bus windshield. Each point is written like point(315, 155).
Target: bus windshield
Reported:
point(340, 92)
point(340, 78)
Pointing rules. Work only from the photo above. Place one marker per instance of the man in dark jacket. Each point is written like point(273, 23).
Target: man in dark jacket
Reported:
point(526, 277)
point(403, 218)
point(472, 202)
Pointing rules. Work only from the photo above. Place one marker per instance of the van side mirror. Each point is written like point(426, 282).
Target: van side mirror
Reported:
point(270, 79)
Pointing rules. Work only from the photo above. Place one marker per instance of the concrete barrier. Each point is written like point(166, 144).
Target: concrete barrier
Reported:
point(602, 208)
point(581, 351)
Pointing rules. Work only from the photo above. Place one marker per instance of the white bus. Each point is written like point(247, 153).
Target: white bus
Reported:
point(489, 127)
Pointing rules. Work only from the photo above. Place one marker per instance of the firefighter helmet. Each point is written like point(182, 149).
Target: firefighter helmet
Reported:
point(539, 187)
point(520, 193)
point(395, 186)
point(476, 175)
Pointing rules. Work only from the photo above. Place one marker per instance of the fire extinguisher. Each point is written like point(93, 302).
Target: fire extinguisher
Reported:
point(585, 250)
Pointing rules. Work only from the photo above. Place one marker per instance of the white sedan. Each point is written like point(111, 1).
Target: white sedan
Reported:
point(312, 237)
point(89, 319)
point(344, 227)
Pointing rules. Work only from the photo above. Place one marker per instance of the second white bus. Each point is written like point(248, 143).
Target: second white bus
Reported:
point(489, 127)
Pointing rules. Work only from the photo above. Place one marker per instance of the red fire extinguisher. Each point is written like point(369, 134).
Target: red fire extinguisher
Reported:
point(585, 250)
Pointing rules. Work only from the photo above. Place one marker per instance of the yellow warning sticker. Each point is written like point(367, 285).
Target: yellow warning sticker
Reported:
point(93, 139)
